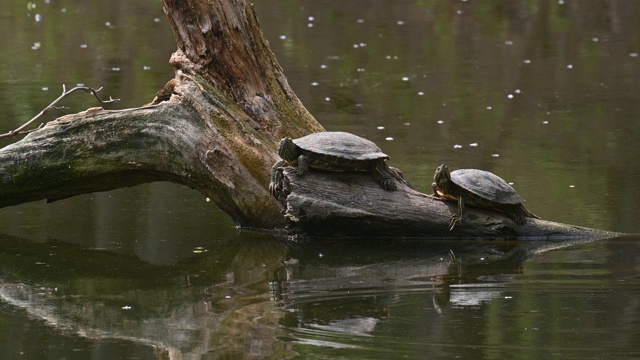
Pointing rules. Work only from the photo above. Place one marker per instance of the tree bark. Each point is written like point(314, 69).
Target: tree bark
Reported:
point(323, 204)
point(215, 128)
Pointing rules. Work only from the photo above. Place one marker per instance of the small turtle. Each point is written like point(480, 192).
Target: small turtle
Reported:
point(481, 189)
point(335, 151)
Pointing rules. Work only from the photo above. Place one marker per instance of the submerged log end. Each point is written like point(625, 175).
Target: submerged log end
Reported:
point(351, 204)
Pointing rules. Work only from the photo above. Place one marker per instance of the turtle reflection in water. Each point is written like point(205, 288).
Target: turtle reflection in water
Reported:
point(335, 151)
point(481, 189)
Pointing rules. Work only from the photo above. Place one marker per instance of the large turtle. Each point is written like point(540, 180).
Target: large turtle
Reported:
point(335, 151)
point(479, 188)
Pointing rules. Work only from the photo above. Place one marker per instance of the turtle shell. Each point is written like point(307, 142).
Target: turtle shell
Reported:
point(341, 145)
point(486, 185)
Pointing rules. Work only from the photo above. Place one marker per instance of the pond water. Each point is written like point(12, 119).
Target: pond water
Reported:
point(543, 93)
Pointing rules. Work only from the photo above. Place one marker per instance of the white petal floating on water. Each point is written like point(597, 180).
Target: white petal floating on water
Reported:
point(310, 25)
point(569, 66)
point(572, 186)
point(633, 54)
point(545, 122)
point(526, 61)
point(595, 39)
point(400, 22)
point(327, 99)
point(315, 83)
point(282, 37)
point(45, 89)
point(489, 107)
point(420, 93)
point(323, 66)
point(360, 21)
point(473, 144)
point(389, 138)
point(457, 146)
point(405, 78)
point(440, 121)
point(510, 96)
point(517, 91)
point(311, 18)
point(508, 42)
point(83, 46)
point(495, 155)
point(380, 128)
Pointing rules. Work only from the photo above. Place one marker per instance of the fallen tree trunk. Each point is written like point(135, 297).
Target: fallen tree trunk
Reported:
point(352, 205)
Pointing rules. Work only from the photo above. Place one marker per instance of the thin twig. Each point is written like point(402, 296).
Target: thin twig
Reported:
point(52, 106)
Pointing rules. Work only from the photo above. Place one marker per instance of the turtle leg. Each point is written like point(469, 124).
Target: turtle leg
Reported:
point(384, 176)
point(276, 176)
point(457, 218)
point(303, 165)
point(517, 215)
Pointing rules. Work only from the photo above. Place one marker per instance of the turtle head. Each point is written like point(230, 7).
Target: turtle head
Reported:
point(442, 177)
point(287, 149)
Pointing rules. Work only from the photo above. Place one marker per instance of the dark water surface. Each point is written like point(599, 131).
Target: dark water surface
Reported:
point(543, 93)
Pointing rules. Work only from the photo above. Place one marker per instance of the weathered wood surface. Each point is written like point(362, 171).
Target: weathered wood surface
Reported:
point(351, 204)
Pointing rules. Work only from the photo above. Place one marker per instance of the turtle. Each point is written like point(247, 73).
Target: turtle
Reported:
point(481, 189)
point(335, 151)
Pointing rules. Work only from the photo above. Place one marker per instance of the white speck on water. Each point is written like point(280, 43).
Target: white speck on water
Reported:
point(560, 2)
point(115, 68)
point(489, 107)
point(315, 83)
point(407, 124)
point(360, 69)
point(363, 44)
point(156, 20)
point(459, 12)
point(457, 146)
point(420, 93)
point(323, 66)
point(126, 307)
point(572, 186)
point(45, 89)
point(320, 255)
point(473, 144)
point(569, 66)
point(380, 128)
point(360, 21)
point(83, 46)
point(31, 6)
point(510, 96)
point(595, 39)
point(517, 91)
point(526, 61)
point(64, 10)
point(227, 296)
point(207, 199)
point(400, 22)
point(508, 297)
point(36, 46)
point(545, 122)
point(508, 42)
point(108, 23)
point(405, 78)
point(327, 99)
point(80, 85)
point(146, 67)
point(440, 121)
point(283, 37)
point(310, 25)
point(495, 155)
point(633, 54)
point(389, 138)
point(38, 17)
point(311, 18)
point(355, 46)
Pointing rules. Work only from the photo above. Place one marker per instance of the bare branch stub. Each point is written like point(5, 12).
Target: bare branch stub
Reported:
point(53, 106)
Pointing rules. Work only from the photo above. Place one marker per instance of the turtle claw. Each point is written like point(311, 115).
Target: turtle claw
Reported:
point(453, 220)
point(389, 184)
